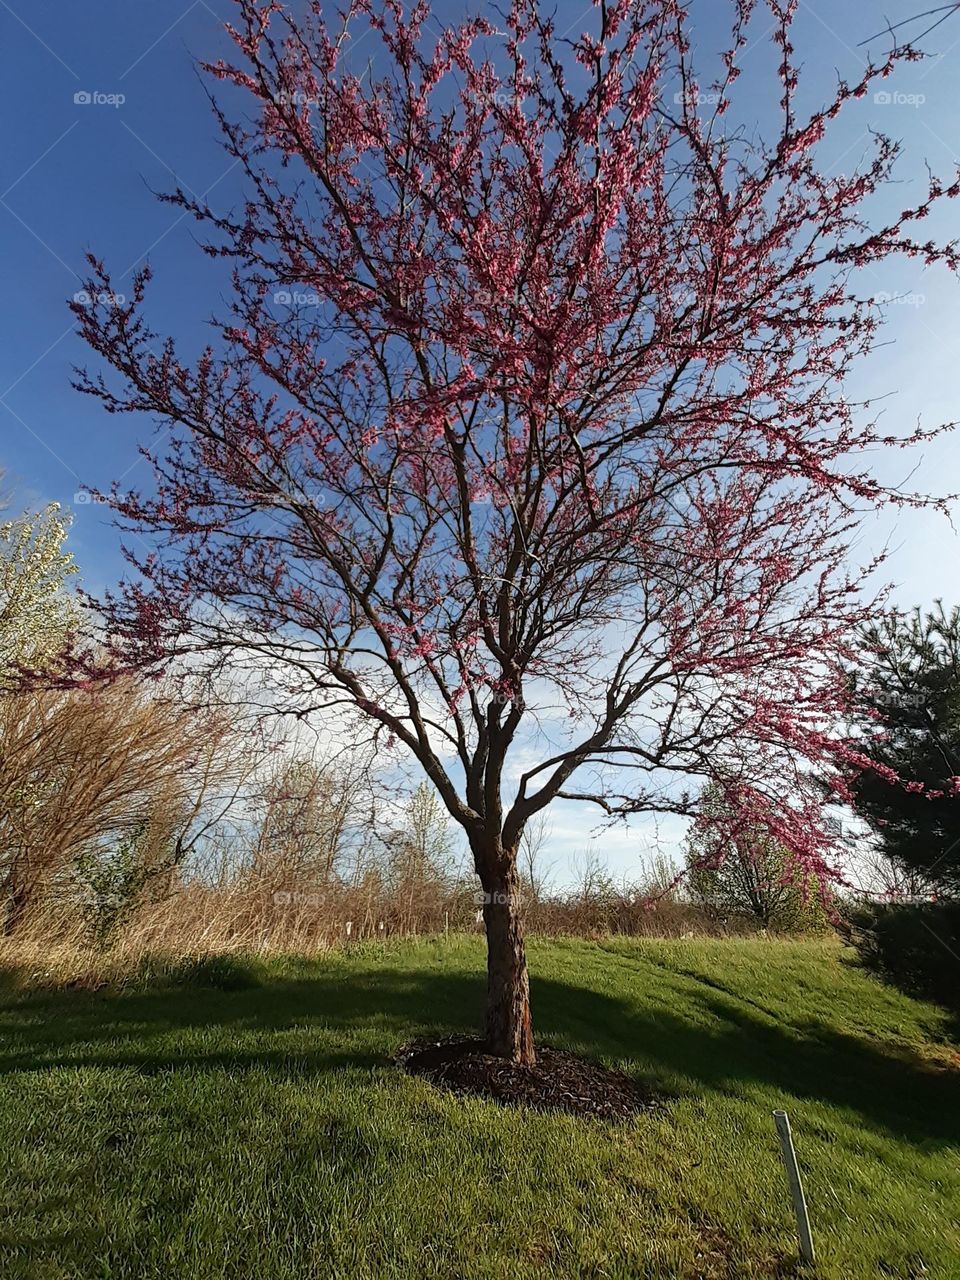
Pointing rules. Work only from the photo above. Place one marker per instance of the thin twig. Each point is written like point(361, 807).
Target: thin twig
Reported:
point(917, 17)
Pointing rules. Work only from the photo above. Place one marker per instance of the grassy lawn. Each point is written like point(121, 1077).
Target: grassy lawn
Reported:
point(255, 1129)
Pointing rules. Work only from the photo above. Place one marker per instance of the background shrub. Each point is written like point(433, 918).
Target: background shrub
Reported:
point(915, 945)
point(747, 874)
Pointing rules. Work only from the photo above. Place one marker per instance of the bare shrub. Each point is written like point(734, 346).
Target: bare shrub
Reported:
point(82, 772)
point(167, 851)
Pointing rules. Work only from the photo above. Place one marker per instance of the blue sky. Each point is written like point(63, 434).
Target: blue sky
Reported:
point(77, 175)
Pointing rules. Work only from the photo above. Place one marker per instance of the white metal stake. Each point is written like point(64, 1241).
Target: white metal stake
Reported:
point(796, 1186)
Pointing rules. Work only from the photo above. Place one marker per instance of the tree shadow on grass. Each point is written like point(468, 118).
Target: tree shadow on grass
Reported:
point(710, 1040)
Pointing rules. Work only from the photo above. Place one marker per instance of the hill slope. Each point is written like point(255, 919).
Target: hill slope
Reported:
point(254, 1128)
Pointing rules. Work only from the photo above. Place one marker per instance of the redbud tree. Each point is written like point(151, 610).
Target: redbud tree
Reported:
point(523, 439)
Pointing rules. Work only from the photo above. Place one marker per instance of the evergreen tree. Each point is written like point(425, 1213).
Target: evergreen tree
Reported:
point(908, 695)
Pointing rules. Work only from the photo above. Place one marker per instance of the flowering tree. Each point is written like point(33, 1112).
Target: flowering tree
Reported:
point(752, 877)
point(525, 438)
point(36, 611)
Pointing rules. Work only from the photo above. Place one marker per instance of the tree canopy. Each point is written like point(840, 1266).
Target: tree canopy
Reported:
point(524, 436)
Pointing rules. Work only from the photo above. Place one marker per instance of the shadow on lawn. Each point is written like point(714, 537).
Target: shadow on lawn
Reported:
point(725, 1043)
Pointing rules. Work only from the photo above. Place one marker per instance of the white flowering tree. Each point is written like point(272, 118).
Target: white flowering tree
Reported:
point(36, 611)
point(36, 616)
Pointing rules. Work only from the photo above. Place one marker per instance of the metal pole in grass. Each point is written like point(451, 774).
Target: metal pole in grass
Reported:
point(796, 1186)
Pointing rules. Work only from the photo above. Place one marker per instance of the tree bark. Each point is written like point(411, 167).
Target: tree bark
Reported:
point(509, 1031)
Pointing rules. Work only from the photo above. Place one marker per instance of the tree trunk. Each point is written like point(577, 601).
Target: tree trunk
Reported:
point(509, 1032)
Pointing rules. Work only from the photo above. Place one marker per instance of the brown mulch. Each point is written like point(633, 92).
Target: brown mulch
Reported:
point(558, 1082)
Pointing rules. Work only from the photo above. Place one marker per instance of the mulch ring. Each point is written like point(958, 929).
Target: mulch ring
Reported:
point(558, 1082)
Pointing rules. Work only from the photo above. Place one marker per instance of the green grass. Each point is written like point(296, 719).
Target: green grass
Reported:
point(241, 1119)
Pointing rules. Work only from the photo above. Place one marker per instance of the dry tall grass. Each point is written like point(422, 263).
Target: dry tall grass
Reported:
point(133, 825)
point(81, 770)
point(245, 913)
